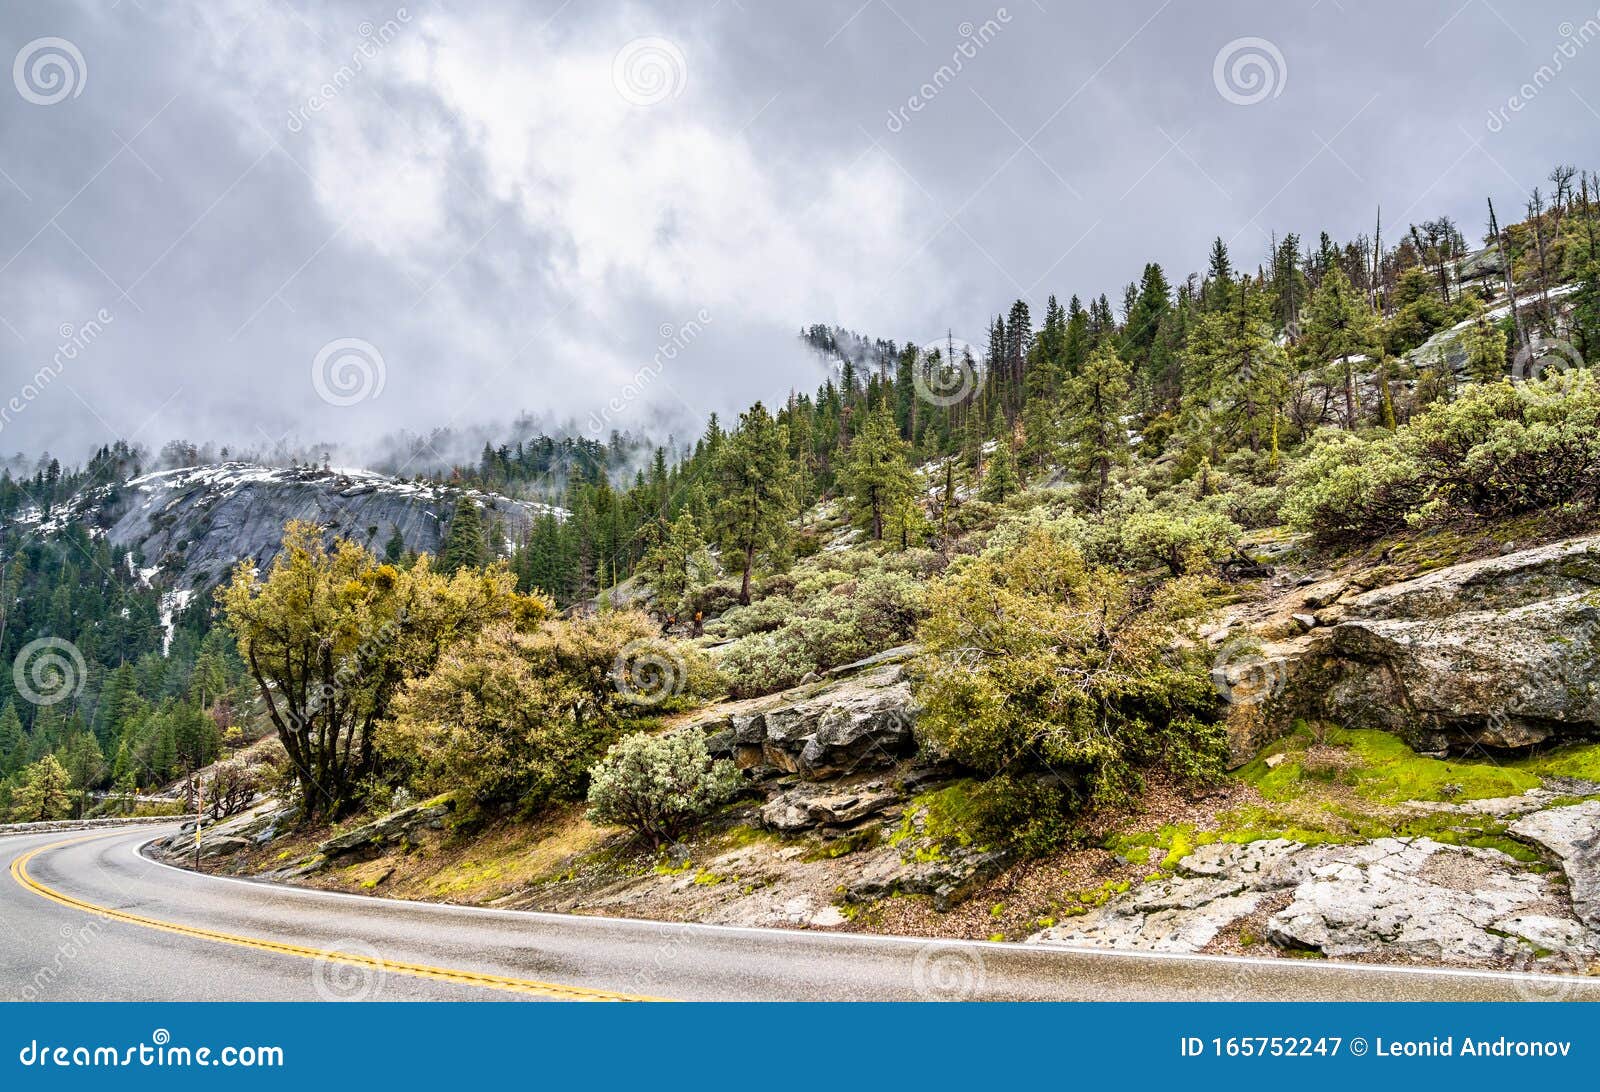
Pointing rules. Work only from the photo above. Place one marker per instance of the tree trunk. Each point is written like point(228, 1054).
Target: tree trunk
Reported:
point(1349, 394)
point(1504, 242)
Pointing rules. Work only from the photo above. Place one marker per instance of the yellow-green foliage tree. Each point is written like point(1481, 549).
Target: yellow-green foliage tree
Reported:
point(330, 634)
point(1039, 661)
point(45, 793)
point(513, 715)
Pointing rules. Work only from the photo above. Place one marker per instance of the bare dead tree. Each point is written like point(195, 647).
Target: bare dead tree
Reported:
point(1503, 241)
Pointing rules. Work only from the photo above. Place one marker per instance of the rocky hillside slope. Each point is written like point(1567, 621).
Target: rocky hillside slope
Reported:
point(1497, 654)
point(1333, 838)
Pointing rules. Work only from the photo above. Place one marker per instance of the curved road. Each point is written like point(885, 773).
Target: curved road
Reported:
point(87, 917)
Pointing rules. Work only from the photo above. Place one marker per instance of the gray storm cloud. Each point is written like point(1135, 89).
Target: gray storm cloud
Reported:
point(338, 221)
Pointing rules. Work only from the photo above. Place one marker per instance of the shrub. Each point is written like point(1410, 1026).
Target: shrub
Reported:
point(1030, 815)
point(509, 716)
point(762, 616)
point(45, 793)
point(1038, 660)
point(1499, 450)
point(1348, 489)
point(1187, 538)
point(232, 788)
point(1506, 448)
point(659, 785)
point(857, 618)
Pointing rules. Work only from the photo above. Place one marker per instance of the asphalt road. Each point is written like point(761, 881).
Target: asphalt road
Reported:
point(88, 918)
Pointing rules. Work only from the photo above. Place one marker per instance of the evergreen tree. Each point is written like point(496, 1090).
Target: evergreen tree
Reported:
point(755, 490)
point(1150, 306)
point(1485, 346)
point(1038, 435)
point(1235, 374)
point(678, 564)
point(394, 549)
point(1000, 480)
point(1216, 291)
point(876, 476)
point(1051, 346)
point(1096, 434)
point(1586, 313)
point(45, 793)
point(11, 741)
point(1339, 328)
point(1077, 345)
point(463, 548)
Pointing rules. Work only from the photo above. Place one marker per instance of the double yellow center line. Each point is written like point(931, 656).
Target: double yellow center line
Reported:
point(551, 990)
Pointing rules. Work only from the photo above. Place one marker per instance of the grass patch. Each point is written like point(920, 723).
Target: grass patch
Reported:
point(1580, 760)
point(1379, 767)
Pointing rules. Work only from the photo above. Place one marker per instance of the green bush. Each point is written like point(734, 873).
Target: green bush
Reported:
point(1348, 489)
point(659, 785)
point(1030, 815)
point(834, 617)
point(1186, 538)
point(1038, 660)
point(519, 717)
point(1499, 450)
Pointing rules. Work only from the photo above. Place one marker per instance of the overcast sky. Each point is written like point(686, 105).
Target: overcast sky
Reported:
point(339, 219)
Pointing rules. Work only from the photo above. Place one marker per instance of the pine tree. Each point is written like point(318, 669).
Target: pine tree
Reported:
point(1038, 435)
point(45, 793)
point(1051, 346)
point(755, 490)
point(876, 476)
point(1096, 435)
point(1586, 313)
point(1151, 304)
point(11, 741)
point(394, 549)
point(678, 564)
point(1338, 329)
point(1235, 373)
point(1216, 291)
point(463, 548)
point(1485, 346)
point(1000, 479)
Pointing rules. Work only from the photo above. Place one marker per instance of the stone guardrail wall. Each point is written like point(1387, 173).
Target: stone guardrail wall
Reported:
point(86, 824)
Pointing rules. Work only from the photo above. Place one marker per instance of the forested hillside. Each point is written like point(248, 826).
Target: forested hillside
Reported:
point(1120, 460)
